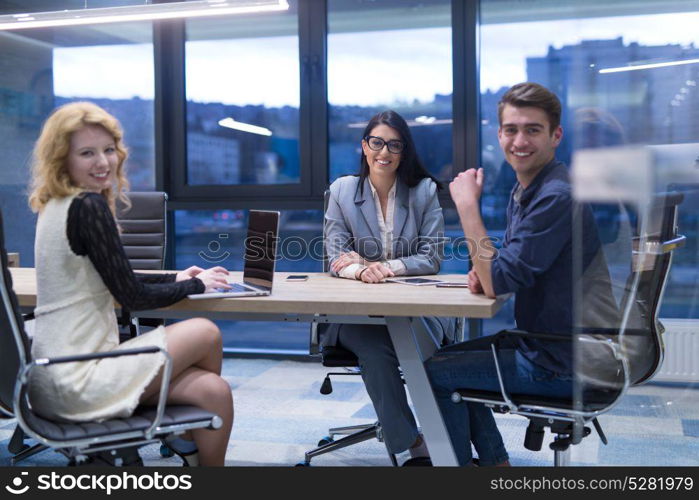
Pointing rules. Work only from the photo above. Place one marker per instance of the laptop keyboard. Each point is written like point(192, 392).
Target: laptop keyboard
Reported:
point(235, 287)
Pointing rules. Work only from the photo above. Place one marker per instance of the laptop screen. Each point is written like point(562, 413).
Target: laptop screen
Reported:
point(261, 249)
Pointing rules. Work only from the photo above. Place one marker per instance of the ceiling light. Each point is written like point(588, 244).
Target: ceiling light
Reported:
point(425, 119)
point(648, 66)
point(420, 121)
point(144, 12)
point(244, 127)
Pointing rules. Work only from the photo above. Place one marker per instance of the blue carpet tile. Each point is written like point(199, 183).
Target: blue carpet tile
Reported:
point(280, 414)
point(690, 428)
point(641, 406)
point(366, 411)
point(342, 391)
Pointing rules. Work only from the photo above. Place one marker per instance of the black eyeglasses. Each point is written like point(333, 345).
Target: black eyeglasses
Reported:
point(377, 143)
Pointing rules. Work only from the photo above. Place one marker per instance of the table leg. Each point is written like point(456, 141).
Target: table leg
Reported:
point(414, 344)
point(475, 328)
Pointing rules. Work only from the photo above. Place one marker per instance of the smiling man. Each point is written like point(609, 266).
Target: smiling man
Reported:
point(537, 245)
point(535, 263)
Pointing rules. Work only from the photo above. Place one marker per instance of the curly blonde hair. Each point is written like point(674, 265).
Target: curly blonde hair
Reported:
point(50, 177)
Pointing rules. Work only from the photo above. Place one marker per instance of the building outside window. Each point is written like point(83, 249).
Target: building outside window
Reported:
point(586, 54)
point(243, 97)
point(390, 55)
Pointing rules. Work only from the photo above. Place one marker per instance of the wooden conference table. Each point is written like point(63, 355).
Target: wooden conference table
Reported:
point(332, 300)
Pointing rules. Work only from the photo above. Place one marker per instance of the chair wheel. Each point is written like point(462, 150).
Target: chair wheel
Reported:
point(303, 464)
point(325, 440)
point(166, 452)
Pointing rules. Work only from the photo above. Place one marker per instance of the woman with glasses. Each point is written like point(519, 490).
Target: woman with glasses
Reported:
point(382, 223)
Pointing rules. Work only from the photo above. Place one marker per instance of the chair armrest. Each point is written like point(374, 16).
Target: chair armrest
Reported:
point(503, 334)
point(569, 337)
point(582, 337)
point(164, 382)
point(96, 355)
point(590, 335)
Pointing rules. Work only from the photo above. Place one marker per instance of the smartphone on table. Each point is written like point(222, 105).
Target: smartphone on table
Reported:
point(297, 277)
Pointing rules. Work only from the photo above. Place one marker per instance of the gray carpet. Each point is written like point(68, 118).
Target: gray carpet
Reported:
point(279, 414)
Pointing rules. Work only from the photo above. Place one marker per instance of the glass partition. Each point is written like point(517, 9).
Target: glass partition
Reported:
point(641, 194)
point(625, 74)
point(40, 69)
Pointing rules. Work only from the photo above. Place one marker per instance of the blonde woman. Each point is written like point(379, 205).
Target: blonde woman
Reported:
point(78, 172)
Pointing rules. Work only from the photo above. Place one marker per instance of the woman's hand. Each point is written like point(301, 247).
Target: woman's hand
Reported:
point(188, 273)
point(474, 282)
point(374, 272)
point(216, 277)
point(345, 260)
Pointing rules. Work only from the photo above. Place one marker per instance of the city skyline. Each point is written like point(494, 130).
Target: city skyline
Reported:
point(271, 64)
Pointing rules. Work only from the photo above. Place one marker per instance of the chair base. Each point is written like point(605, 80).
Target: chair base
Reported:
point(27, 452)
point(561, 458)
point(121, 457)
point(353, 434)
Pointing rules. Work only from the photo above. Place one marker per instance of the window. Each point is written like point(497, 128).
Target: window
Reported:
point(583, 52)
point(389, 55)
point(242, 84)
point(208, 238)
point(42, 69)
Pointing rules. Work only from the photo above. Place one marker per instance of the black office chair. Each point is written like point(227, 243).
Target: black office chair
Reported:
point(144, 236)
point(337, 357)
point(114, 441)
point(634, 351)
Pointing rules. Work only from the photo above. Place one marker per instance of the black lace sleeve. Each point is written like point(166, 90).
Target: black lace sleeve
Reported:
point(92, 231)
point(156, 278)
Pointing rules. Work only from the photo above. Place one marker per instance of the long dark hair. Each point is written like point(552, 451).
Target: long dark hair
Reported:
point(410, 169)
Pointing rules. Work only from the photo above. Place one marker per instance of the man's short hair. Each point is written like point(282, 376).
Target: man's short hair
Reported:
point(533, 95)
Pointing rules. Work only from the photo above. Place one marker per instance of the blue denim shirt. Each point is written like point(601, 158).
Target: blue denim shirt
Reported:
point(536, 262)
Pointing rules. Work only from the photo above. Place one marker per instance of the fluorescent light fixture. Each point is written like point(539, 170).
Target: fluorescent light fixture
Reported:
point(425, 119)
point(244, 127)
point(648, 66)
point(145, 12)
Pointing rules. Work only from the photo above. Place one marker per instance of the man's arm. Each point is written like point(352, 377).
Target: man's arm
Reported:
point(466, 191)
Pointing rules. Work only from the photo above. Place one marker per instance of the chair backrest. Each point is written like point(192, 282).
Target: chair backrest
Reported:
point(316, 328)
point(650, 268)
point(143, 229)
point(640, 260)
point(326, 200)
point(12, 334)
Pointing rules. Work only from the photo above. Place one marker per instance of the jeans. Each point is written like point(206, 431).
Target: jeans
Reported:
point(470, 365)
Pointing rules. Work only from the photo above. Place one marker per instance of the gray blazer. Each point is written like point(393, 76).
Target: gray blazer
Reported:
point(351, 224)
point(418, 229)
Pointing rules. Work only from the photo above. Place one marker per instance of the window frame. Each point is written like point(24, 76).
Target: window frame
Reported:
point(170, 107)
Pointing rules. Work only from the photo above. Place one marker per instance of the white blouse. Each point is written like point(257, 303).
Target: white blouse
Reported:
point(386, 230)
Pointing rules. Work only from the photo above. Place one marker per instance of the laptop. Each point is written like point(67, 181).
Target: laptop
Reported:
point(260, 259)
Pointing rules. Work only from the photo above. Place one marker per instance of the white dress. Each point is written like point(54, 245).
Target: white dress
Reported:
point(75, 315)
